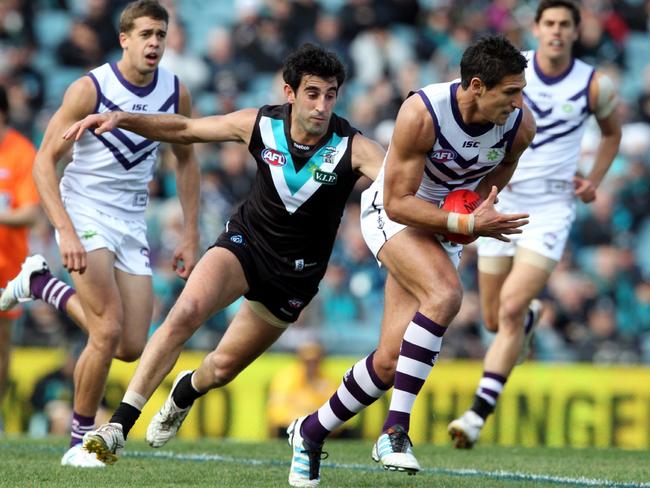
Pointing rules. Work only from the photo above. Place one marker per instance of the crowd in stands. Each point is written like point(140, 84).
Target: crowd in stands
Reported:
point(228, 53)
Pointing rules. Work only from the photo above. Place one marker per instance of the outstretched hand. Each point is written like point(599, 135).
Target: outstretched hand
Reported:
point(489, 222)
point(104, 122)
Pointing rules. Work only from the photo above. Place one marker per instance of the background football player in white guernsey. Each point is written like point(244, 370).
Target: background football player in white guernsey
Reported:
point(98, 211)
point(562, 92)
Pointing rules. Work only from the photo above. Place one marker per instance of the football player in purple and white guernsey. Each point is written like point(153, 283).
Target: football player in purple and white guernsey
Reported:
point(98, 212)
point(562, 92)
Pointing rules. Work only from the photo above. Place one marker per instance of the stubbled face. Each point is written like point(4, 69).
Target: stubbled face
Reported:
point(145, 44)
point(556, 32)
point(313, 104)
point(496, 104)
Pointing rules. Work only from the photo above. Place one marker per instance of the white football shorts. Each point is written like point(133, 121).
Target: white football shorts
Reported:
point(127, 239)
point(547, 231)
point(377, 228)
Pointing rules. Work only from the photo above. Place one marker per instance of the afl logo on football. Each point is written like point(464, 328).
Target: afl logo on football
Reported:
point(273, 157)
point(442, 155)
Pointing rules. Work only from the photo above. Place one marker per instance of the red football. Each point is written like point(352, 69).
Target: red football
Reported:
point(463, 202)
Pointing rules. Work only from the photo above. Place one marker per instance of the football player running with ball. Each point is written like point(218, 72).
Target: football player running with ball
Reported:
point(467, 134)
point(562, 92)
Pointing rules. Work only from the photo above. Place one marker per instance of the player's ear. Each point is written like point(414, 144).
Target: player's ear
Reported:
point(477, 86)
point(289, 93)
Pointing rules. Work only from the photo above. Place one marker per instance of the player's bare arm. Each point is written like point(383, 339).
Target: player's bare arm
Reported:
point(174, 128)
point(413, 136)
point(604, 100)
point(502, 173)
point(367, 156)
point(188, 182)
point(79, 101)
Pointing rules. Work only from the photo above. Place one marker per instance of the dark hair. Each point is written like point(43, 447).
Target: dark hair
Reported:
point(490, 59)
point(142, 8)
point(568, 4)
point(310, 59)
point(4, 102)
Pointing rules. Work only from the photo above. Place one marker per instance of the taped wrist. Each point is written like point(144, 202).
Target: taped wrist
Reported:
point(460, 223)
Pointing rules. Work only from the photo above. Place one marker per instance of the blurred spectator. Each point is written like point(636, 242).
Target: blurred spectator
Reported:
point(26, 86)
point(81, 49)
point(298, 389)
point(390, 47)
point(190, 69)
point(377, 52)
point(596, 46)
point(16, 22)
point(227, 74)
point(51, 400)
point(100, 17)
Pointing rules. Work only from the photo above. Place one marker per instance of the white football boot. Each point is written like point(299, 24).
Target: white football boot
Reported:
point(306, 458)
point(464, 431)
point(394, 451)
point(106, 442)
point(536, 308)
point(168, 420)
point(78, 457)
point(17, 290)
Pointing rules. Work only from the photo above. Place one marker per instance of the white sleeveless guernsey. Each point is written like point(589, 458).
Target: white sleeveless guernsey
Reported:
point(463, 153)
point(561, 108)
point(111, 171)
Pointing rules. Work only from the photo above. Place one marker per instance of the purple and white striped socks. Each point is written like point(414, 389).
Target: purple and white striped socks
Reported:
point(418, 353)
point(360, 388)
point(50, 289)
point(487, 393)
point(80, 425)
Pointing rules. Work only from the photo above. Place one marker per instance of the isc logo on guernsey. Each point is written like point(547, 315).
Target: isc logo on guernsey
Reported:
point(273, 157)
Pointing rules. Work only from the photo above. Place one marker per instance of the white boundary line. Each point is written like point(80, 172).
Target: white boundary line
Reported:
point(500, 474)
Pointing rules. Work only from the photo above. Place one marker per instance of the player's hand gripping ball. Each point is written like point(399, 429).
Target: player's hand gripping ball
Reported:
point(462, 202)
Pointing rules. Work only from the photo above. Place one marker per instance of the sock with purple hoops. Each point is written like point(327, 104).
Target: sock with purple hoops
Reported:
point(420, 348)
point(80, 425)
point(50, 289)
point(487, 393)
point(360, 387)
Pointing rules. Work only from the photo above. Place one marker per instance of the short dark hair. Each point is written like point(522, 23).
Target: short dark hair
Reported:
point(142, 8)
point(310, 59)
point(490, 58)
point(4, 102)
point(573, 7)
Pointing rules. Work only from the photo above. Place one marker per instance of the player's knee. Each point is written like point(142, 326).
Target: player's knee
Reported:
point(129, 352)
point(444, 301)
point(106, 338)
point(224, 369)
point(511, 312)
point(185, 316)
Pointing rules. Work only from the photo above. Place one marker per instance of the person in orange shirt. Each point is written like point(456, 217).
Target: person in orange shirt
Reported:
point(18, 211)
point(298, 389)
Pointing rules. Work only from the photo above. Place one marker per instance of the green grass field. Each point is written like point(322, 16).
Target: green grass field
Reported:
point(223, 464)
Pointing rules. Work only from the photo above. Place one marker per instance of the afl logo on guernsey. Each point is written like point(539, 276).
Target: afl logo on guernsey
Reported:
point(442, 155)
point(273, 157)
